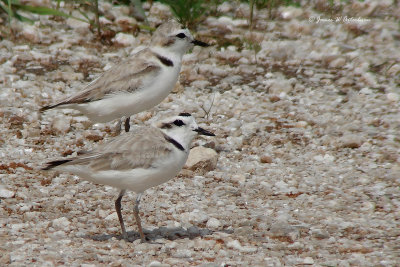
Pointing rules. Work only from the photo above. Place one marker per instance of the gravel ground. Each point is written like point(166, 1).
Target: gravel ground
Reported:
point(307, 138)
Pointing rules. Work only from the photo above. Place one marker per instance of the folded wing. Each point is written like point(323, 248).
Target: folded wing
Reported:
point(128, 76)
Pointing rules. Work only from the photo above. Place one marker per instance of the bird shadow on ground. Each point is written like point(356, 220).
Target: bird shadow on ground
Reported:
point(170, 233)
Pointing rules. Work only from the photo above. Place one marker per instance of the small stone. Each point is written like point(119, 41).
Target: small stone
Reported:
point(31, 33)
point(126, 22)
point(274, 98)
point(345, 81)
point(337, 63)
point(266, 159)
point(5, 193)
point(325, 158)
point(281, 229)
point(351, 141)
point(280, 86)
point(239, 178)
point(196, 216)
point(31, 215)
point(235, 244)
point(394, 70)
point(202, 159)
point(93, 136)
point(104, 21)
point(320, 234)
point(178, 88)
point(61, 223)
point(366, 91)
point(301, 124)
point(158, 264)
point(182, 253)
point(62, 124)
point(5, 259)
point(290, 12)
point(392, 97)
point(244, 231)
point(102, 214)
point(60, 234)
point(16, 120)
point(112, 217)
point(124, 39)
point(308, 260)
point(213, 223)
point(369, 79)
point(281, 186)
point(224, 7)
point(18, 226)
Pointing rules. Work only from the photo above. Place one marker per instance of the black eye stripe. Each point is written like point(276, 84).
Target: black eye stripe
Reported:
point(181, 35)
point(179, 123)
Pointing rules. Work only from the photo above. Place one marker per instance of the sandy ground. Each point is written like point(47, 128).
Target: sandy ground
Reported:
point(307, 122)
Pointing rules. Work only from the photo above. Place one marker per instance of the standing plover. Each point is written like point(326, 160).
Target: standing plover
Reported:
point(138, 83)
point(143, 158)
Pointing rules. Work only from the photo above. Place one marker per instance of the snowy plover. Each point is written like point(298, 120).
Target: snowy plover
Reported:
point(138, 83)
point(138, 160)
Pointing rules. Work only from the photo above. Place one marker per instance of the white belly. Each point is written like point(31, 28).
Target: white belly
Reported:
point(136, 180)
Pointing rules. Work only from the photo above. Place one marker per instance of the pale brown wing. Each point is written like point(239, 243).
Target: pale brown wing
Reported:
point(127, 76)
point(137, 149)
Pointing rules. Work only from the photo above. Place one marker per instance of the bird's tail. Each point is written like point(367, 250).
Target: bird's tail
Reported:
point(52, 164)
point(49, 107)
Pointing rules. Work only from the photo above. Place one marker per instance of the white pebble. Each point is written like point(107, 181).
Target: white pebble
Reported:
point(234, 244)
point(301, 124)
point(113, 216)
point(157, 264)
point(18, 226)
point(31, 33)
point(213, 223)
point(195, 216)
point(182, 253)
point(61, 223)
point(5, 193)
point(62, 124)
point(124, 39)
point(308, 260)
point(337, 63)
point(393, 97)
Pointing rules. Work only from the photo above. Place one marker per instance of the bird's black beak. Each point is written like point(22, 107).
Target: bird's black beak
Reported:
point(204, 132)
point(200, 43)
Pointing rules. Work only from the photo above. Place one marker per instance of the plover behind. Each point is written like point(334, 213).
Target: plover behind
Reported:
point(138, 83)
point(138, 160)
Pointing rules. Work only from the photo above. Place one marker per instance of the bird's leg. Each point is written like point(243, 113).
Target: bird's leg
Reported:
point(127, 125)
point(118, 209)
point(137, 218)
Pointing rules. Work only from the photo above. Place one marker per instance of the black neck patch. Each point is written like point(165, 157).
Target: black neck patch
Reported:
point(167, 62)
point(174, 142)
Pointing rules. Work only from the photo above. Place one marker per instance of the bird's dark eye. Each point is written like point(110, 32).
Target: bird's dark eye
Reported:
point(179, 123)
point(181, 35)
